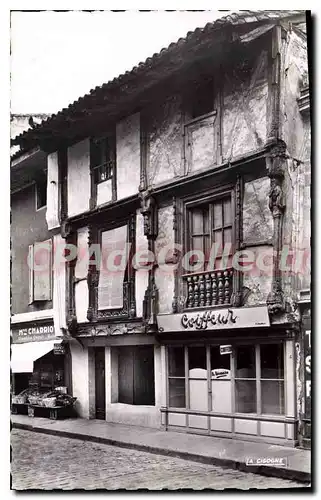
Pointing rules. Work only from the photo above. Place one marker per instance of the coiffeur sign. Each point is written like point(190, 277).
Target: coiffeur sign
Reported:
point(214, 319)
point(33, 333)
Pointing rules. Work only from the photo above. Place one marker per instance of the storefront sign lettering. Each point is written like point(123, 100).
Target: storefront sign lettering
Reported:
point(201, 321)
point(218, 319)
point(36, 331)
point(33, 334)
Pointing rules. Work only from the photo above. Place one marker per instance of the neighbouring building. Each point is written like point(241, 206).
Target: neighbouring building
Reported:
point(203, 146)
point(36, 347)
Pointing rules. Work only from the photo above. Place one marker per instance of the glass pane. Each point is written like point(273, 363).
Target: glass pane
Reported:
point(217, 215)
point(228, 236)
point(197, 243)
point(245, 396)
point(272, 361)
point(222, 395)
point(198, 394)
point(220, 364)
point(197, 221)
point(197, 362)
point(272, 395)
point(227, 212)
point(217, 239)
point(245, 361)
point(206, 221)
point(176, 393)
point(207, 247)
point(176, 365)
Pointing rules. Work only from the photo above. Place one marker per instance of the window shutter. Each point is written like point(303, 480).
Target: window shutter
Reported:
point(42, 277)
point(30, 263)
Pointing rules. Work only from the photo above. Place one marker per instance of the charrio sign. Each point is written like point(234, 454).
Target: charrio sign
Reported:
point(33, 333)
point(214, 319)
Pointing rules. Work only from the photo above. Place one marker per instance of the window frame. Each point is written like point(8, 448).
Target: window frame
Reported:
point(109, 139)
point(129, 299)
point(232, 379)
point(208, 199)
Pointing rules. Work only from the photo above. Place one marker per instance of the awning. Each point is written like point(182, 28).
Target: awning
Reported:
point(24, 355)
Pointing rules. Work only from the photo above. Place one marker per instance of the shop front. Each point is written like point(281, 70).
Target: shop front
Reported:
point(39, 360)
point(229, 373)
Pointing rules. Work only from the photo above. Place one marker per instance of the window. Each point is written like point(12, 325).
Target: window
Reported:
point(176, 382)
point(113, 268)
point(40, 271)
point(102, 159)
point(41, 190)
point(259, 379)
point(251, 380)
point(203, 98)
point(136, 385)
point(245, 380)
point(210, 225)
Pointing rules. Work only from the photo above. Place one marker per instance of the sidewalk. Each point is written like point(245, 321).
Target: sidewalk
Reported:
point(217, 451)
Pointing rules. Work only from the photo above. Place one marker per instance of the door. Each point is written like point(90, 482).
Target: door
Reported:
point(100, 392)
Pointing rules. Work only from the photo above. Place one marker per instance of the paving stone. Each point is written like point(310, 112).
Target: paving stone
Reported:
point(42, 461)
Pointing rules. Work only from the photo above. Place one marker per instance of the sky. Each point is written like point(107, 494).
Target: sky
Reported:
point(57, 57)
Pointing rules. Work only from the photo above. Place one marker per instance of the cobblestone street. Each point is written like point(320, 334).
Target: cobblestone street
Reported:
point(42, 461)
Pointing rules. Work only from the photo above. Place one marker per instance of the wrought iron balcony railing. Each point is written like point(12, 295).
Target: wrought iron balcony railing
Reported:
point(208, 288)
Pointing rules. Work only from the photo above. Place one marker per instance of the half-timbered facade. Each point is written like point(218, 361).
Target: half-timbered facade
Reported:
point(178, 183)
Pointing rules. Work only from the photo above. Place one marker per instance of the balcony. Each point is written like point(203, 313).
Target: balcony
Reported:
point(208, 288)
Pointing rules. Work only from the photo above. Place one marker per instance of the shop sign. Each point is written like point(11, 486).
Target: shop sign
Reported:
point(59, 349)
point(214, 319)
point(225, 349)
point(33, 333)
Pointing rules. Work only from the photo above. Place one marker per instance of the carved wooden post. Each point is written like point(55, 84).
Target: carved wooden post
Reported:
point(92, 278)
point(71, 239)
point(275, 165)
point(237, 296)
point(175, 227)
point(150, 214)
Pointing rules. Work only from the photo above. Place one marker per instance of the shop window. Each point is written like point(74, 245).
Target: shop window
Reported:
point(221, 386)
point(176, 382)
point(136, 385)
point(40, 271)
point(197, 378)
point(272, 378)
point(41, 190)
point(245, 388)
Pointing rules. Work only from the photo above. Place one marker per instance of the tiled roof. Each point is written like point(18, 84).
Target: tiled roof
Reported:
point(237, 18)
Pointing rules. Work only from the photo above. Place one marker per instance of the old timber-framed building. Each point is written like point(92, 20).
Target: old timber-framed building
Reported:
point(203, 145)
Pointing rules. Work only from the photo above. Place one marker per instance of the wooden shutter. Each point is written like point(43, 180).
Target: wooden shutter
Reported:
point(42, 278)
point(125, 375)
point(144, 383)
point(30, 264)
point(110, 288)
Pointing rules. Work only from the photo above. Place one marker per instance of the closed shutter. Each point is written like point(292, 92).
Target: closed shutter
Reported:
point(41, 278)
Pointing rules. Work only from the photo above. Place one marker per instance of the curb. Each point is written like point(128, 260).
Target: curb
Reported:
point(279, 472)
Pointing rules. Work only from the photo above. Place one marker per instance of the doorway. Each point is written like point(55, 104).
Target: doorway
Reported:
point(100, 388)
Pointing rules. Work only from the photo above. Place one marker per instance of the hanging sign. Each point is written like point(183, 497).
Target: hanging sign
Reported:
point(59, 348)
point(225, 349)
